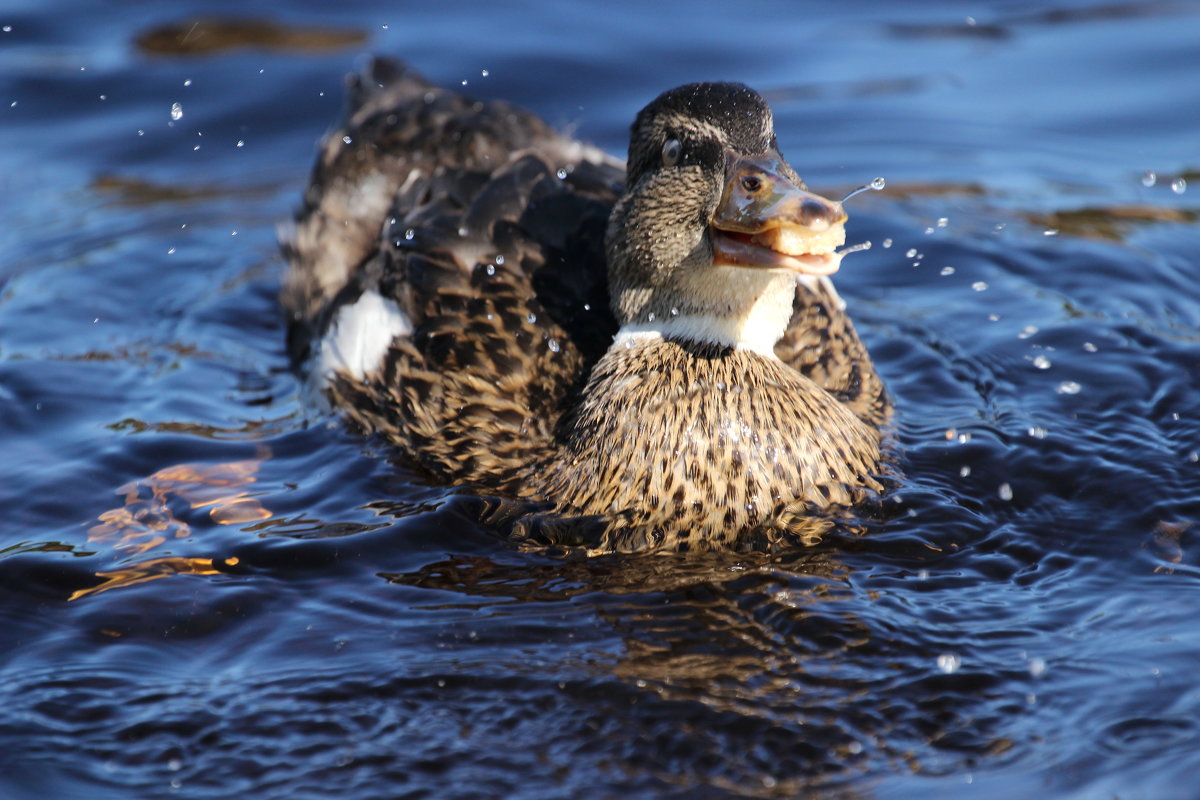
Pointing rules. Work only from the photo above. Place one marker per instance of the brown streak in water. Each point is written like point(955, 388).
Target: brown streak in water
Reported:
point(138, 192)
point(1109, 222)
point(213, 35)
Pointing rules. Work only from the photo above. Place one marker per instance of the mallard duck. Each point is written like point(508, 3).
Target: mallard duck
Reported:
point(651, 353)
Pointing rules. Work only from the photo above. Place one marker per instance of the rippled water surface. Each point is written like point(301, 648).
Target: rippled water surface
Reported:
point(208, 589)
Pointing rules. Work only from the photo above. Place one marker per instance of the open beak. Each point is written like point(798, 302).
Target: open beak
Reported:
point(766, 220)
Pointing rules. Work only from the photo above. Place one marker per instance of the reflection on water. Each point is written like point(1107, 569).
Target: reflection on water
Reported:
point(208, 588)
point(146, 520)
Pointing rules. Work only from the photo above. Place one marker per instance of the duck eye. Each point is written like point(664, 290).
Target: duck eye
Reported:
point(672, 151)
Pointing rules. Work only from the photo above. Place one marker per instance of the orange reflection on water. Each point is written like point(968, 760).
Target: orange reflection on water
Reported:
point(146, 520)
point(153, 570)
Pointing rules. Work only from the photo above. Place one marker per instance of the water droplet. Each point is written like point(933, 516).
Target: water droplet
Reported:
point(1194, 456)
point(1050, 232)
point(1041, 362)
point(1179, 186)
point(171, 251)
point(463, 232)
point(553, 345)
point(993, 317)
point(176, 112)
point(951, 433)
point(1037, 432)
point(878, 183)
point(1037, 667)
point(103, 97)
point(347, 139)
point(8, 28)
point(947, 270)
point(484, 72)
point(650, 317)
point(1068, 387)
point(188, 82)
point(911, 253)
point(674, 311)
point(240, 143)
point(1005, 492)
point(943, 222)
point(490, 269)
point(1088, 347)
point(963, 438)
point(979, 286)
point(887, 243)
point(464, 82)
point(141, 132)
point(948, 663)
point(587, 306)
point(929, 231)
point(1027, 331)
point(562, 174)
point(409, 234)
point(384, 26)
point(1149, 178)
point(964, 471)
point(499, 261)
point(532, 317)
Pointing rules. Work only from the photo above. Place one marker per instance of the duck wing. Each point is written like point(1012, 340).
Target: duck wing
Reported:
point(448, 285)
point(821, 343)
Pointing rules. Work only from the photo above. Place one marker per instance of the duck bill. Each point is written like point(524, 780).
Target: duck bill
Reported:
point(768, 220)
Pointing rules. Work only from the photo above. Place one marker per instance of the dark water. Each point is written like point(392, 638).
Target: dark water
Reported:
point(208, 590)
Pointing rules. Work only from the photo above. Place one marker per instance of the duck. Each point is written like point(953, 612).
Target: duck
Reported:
point(646, 355)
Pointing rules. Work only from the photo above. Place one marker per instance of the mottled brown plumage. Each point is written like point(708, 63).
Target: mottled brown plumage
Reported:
point(497, 243)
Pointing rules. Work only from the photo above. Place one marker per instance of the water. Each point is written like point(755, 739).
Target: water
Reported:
point(208, 589)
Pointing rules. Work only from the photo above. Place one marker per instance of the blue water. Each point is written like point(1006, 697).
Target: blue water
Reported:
point(208, 589)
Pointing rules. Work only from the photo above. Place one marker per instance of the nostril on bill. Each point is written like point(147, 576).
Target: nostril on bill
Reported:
point(813, 210)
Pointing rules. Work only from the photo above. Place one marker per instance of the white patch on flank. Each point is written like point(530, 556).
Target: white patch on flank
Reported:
point(360, 336)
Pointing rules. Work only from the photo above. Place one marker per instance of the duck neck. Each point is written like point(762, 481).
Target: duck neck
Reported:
point(734, 307)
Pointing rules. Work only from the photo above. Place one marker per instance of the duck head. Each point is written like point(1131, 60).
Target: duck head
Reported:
point(715, 227)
